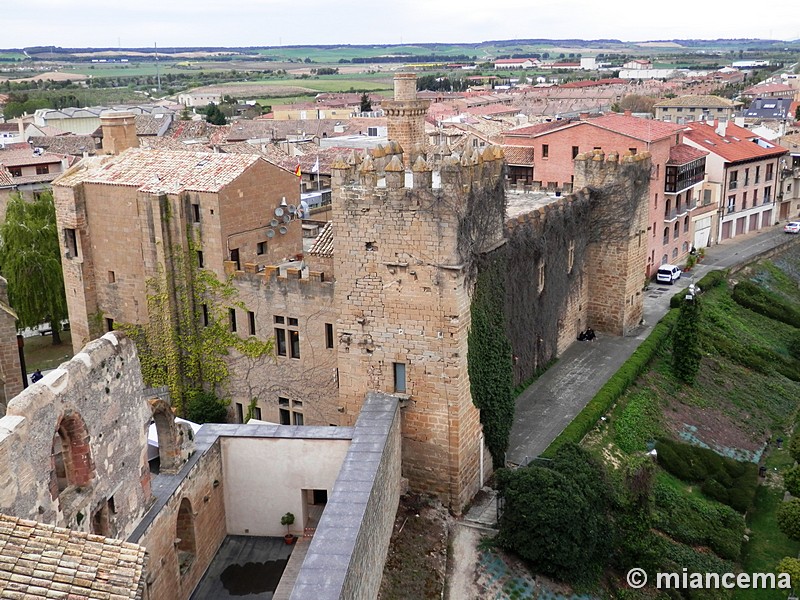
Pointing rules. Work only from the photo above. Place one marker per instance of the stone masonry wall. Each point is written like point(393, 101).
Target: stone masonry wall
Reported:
point(164, 576)
point(10, 371)
point(403, 300)
point(98, 395)
point(311, 378)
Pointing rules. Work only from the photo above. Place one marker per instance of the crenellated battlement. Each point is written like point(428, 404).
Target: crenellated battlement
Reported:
point(287, 279)
point(597, 168)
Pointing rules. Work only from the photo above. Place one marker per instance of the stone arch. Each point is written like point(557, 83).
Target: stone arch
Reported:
point(184, 534)
point(70, 457)
point(166, 429)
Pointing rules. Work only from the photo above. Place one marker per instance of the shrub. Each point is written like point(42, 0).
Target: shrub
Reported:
point(792, 567)
point(794, 445)
point(686, 342)
point(760, 300)
point(791, 480)
point(205, 407)
point(615, 386)
point(729, 481)
point(711, 280)
point(788, 517)
point(638, 423)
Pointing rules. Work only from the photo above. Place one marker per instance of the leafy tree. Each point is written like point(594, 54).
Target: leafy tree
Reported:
point(366, 103)
point(788, 517)
point(30, 259)
point(791, 480)
point(686, 342)
point(794, 445)
point(214, 115)
point(205, 407)
point(637, 103)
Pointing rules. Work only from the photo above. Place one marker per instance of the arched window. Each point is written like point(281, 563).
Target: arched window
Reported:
point(676, 230)
point(686, 225)
point(674, 253)
point(666, 235)
point(168, 460)
point(664, 259)
point(70, 457)
point(184, 530)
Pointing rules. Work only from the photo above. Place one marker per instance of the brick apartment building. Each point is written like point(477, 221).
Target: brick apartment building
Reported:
point(745, 168)
point(676, 178)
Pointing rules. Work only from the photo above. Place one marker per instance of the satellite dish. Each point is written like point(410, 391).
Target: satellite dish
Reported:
point(292, 209)
point(287, 218)
point(273, 223)
point(283, 230)
point(270, 233)
point(279, 212)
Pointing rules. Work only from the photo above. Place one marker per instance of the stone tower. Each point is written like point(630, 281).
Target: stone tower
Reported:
point(403, 289)
point(617, 254)
point(119, 131)
point(406, 116)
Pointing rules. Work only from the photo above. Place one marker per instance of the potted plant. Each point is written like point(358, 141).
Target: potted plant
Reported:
point(288, 520)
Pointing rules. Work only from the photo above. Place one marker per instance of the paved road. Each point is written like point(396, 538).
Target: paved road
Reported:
point(552, 401)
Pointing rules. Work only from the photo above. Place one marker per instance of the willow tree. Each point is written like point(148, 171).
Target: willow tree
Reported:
point(30, 260)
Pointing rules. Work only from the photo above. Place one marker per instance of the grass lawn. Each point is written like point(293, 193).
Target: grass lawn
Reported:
point(767, 545)
point(40, 353)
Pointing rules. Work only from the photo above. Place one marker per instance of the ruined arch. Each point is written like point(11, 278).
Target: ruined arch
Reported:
point(167, 431)
point(70, 457)
point(184, 536)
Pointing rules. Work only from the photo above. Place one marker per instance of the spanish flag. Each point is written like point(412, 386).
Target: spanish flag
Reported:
point(297, 171)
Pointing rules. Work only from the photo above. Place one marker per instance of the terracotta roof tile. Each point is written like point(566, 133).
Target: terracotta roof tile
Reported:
point(21, 157)
point(44, 560)
point(323, 245)
point(700, 101)
point(647, 130)
point(153, 171)
point(681, 154)
point(66, 144)
point(736, 145)
point(519, 155)
point(5, 178)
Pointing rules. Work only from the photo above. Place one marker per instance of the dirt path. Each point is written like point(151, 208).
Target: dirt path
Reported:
point(462, 562)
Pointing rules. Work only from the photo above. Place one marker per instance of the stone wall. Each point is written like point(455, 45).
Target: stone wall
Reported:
point(93, 405)
point(346, 557)
point(402, 292)
point(310, 379)
point(10, 371)
point(199, 488)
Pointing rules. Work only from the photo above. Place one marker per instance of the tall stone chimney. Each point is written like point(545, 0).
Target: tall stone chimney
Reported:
point(119, 131)
point(406, 117)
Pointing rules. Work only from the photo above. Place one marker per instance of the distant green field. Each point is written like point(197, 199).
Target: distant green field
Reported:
point(335, 53)
point(15, 55)
point(123, 70)
point(319, 85)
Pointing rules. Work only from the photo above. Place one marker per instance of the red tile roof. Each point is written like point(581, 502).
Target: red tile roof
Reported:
point(589, 83)
point(647, 130)
point(534, 130)
point(768, 88)
point(22, 157)
point(5, 178)
point(323, 245)
point(519, 155)
point(736, 145)
point(683, 153)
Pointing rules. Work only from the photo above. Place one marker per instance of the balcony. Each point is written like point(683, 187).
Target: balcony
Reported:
point(670, 215)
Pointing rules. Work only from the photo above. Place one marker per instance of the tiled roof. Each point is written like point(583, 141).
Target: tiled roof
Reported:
point(647, 130)
point(325, 155)
point(21, 157)
point(66, 144)
point(738, 144)
point(12, 127)
point(681, 154)
point(153, 171)
point(768, 88)
point(699, 101)
point(519, 155)
point(42, 561)
point(323, 245)
point(26, 179)
point(534, 130)
point(5, 178)
point(589, 83)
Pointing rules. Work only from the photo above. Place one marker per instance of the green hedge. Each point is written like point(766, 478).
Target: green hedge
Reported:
point(616, 386)
point(729, 481)
point(764, 302)
point(710, 280)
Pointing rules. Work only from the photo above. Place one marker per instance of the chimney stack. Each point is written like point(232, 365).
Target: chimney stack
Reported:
point(119, 131)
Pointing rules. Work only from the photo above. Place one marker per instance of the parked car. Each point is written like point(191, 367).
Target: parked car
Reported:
point(668, 274)
point(792, 227)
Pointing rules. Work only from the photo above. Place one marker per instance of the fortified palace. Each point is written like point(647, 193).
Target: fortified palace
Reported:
point(370, 330)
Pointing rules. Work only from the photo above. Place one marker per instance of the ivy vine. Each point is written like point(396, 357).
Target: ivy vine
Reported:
point(186, 342)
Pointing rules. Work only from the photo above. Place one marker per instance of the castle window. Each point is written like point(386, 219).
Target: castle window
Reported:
point(540, 276)
point(251, 317)
point(261, 248)
point(570, 256)
point(291, 413)
point(545, 150)
point(109, 324)
point(239, 412)
point(287, 332)
point(329, 335)
point(205, 315)
point(200, 262)
point(575, 151)
point(184, 533)
point(232, 319)
point(112, 277)
point(400, 378)
point(235, 258)
point(196, 213)
point(71, 243)
point(70, 457)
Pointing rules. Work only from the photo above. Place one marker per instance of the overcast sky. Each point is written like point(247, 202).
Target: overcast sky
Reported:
point(141, 23)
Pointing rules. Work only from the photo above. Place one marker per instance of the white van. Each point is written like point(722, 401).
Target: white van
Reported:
point(668, 274)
